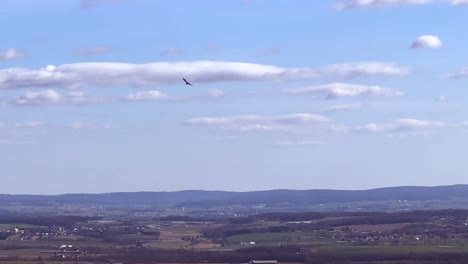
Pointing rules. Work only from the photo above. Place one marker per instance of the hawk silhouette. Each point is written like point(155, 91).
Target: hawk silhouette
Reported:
point(186, 82)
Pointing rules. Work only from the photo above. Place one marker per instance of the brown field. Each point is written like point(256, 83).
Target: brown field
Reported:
point(375, 228)
point(171, 237)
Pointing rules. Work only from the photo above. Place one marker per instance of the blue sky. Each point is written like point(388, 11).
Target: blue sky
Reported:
point(286, 94)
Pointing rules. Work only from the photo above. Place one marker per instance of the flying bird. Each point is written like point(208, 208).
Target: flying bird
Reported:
point(186, 82)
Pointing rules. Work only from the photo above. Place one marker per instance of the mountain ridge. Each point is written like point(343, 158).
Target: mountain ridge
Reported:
point(203, 198)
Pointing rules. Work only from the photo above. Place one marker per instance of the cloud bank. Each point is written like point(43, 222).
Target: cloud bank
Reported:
point(335, 90)
point(403, 127)
point(248, 123)
point(357, 4)
point(343, 108)
point(50, 97)
point(107, 74)
point(153, 95)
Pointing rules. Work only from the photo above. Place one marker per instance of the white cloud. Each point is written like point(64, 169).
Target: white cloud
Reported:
point(441, 98)
point(29, 124)
point(343, 107)
point(38, 98)
point(78, 97)
point(50, 97)
point(459, 2)
point(93, 51)
point(359, 69)
point(300, 143)
point(260, 122)
point(105, 74)
point(215, 93)
point(339, 128)
point(153, 95)
point(26, 124)
point(11, 54)
point(89, 4)
point(356, 4)
point(460, 74)
point(211, 94)
point(79, 125)
point(426, 42)
point(171, 52)
point(402, 127)
point(334, 90)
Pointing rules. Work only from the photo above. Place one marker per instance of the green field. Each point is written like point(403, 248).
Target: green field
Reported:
point(53, 244)
point(416, 249)
point(5, 227)
point(275, 238)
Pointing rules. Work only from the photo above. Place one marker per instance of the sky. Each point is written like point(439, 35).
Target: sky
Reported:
point(329, 94)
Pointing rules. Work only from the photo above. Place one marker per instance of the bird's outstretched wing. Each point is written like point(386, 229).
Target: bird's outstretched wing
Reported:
point(186, 82)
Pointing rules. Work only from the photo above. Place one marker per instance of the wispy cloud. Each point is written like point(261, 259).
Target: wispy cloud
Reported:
point(343, 108)
point(53, 97)
point(441, 98)
point(93, 51)
point(25, 124)
point(334, 90)
point(299, 143)
point(39, 39)
point(214, 93)
point(360, 69)
point(269, 52)
point(249, 123)
point(214, 48)
point(11, 54)
point(100, 74)
point(89, 4)
point(29, 124)
point(50, 97)
point(210, 95)
point(426, 42)
point(37, 98)
point(171, 52)
point(403, 127)
point(357, 4)
point(153, 95)
point(460, 74)
point(80, 125)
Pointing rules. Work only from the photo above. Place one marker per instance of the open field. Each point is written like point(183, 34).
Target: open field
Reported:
point(411, 249)
point(292, 237)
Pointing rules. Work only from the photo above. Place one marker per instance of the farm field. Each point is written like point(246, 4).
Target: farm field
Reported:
point(345, 237)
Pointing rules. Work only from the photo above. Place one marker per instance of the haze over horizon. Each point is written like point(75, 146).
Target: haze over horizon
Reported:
point(334, 94)
point(234, 191)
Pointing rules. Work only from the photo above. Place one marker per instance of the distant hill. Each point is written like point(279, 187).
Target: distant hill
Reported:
point(272, 198)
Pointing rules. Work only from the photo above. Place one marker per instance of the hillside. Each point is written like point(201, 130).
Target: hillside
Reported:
point(272, 198)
